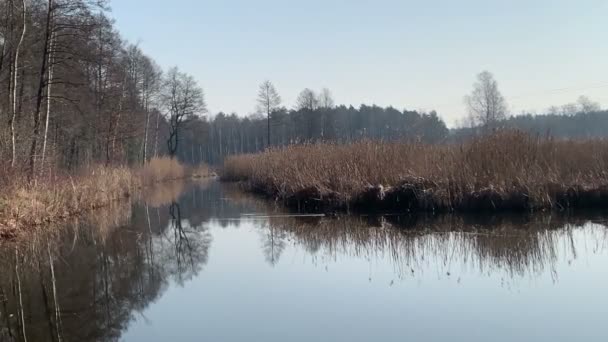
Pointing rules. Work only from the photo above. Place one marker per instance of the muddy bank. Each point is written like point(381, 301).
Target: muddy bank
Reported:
point(429, 197)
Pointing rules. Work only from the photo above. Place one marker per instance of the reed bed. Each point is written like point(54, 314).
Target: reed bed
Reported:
point(35, 205)
point(507, 170)
point(26, 205)
point(162, 169)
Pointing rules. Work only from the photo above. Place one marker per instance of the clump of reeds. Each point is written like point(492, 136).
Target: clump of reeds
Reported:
point(161, 169)
point(505, 170)
point(55, 198)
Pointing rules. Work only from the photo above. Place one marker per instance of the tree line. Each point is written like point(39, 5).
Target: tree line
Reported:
point(73, 92)
point(488, 111)
point(314, 118)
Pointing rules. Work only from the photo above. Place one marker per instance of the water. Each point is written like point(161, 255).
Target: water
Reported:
point(208, 263)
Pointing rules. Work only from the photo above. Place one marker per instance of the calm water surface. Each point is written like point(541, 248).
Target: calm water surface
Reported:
point(206, 262)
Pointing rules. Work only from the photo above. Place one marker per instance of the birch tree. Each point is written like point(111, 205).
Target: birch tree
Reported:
point(151, 77)
point(15, 82)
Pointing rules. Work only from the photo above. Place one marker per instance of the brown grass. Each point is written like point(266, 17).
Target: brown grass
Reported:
point(506, 170)
point(57, 198)
point(162, 169)
point(34, 205)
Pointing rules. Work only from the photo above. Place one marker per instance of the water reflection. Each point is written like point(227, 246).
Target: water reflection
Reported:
point(86, 282)
point(95, 278)
point(451, 244)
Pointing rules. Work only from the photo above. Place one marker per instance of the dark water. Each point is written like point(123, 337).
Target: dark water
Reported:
point(208, 263)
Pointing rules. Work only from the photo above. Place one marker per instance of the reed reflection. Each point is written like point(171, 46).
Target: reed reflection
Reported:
point(450, 244)
point(517, 246)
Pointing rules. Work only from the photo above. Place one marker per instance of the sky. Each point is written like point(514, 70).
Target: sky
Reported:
point(416, 55)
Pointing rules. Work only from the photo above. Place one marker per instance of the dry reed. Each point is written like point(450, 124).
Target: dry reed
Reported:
point(60, 197)
point(54, 198)
point(505, 170)
point(162, 169)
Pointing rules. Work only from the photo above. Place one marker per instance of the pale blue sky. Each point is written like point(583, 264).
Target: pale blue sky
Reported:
point(409, 54)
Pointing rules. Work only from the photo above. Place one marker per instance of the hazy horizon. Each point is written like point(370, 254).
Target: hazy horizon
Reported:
point(399, 53)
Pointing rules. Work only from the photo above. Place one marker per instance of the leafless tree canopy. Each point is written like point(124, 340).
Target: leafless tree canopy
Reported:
point(268, 102)
point(326, 99)
point(183, 99)
point(307, 100)
point(486, 104)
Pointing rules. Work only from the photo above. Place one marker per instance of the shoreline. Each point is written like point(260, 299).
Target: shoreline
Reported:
point(411, 198)
point(26, 208)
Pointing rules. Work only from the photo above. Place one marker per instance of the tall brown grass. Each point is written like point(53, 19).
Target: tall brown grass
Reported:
point(28, 204)
point(58, 196)
point(162, 169)
point(506, 170)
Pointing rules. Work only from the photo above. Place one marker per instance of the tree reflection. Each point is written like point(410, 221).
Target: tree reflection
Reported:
point(191, 245)
point(87, 281)
point(273, 244)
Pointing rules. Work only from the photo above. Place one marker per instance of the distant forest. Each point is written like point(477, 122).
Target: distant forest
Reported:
point(211, 140)
point(580, 125)
point(74, 93)
point(225, 135)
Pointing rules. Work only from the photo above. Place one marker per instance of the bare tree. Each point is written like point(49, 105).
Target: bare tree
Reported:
point(268, 101)
point(486, 104)
point(326, 103)
point(587, 106)
point(183, 98)
point(326, 99)
point(307, 100)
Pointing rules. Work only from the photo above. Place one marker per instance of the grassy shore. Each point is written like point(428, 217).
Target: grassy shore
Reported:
point(504, 171)
point(35, 205)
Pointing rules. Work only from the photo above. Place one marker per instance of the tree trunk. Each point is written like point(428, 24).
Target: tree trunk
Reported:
point(41, 85)
point(156, 134)
point(48, 97)
point(147, 109)
point(15, 72)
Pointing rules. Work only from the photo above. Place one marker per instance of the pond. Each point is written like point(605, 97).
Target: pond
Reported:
point(207, 262)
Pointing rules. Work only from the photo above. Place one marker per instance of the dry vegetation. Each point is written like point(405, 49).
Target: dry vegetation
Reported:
point(57, 198)
point(504, 171)
point(33, 205)
point(201, 171)
point(162, 169)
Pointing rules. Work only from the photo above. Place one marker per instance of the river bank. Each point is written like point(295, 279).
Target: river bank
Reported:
point(26, 206)
point(505, 171)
